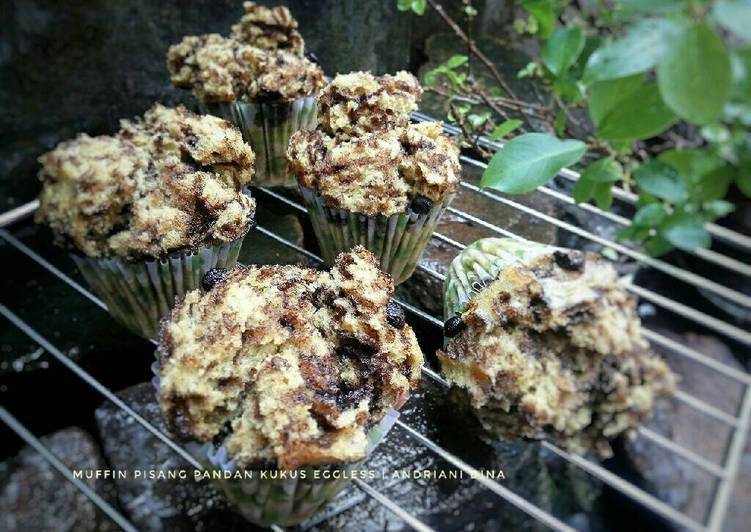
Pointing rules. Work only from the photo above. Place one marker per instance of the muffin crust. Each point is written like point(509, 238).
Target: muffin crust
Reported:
point(377, 173)
point(165, 182)
point(287, 366)
point(268, 28)
point(262, 60)
point(555, 351)
point(359, 103)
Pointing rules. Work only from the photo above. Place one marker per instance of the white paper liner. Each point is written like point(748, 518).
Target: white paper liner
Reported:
point(138, 294)
point(398, 241)
point(267, 127)
point(480, 263)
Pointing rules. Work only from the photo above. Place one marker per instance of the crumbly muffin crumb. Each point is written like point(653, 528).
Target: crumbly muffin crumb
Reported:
point(169, 181)
point(554, 350)
point(358, 103)
point(377, 173)
point(287, 366)
point(269, 28)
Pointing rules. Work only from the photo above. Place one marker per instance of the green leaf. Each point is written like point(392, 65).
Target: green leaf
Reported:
point(505, 128)
point(417, 6)
point(685, 230)
point(661, 180)
point(706, 174)
point(638, 51)
point(657, 246)
point(605, 95)
point(545, 12)
point(560, 122)
point(639, 115)
point(583, 190)
point(563, 49)
point(740, 65)
point(694, 75)
point(456, 61)
point(530, 160)
point(603, 171)
point(734, 16)
point(649, 7)
point(715, 209)
point(603, 194)
point(650, 215)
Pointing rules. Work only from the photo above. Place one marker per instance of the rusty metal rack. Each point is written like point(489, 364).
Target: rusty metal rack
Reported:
point(738, 421)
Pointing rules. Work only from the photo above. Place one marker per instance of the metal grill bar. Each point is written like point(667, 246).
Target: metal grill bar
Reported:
point(24, 433)
point(392, 506)
point(657, 264)
point(726, 235)
point(86, 377)
point(651, 335)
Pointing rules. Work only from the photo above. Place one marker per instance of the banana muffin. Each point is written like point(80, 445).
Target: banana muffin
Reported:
point(220, 69)
point(285, 366)
point(546, 344)
point(169, 181)
point(358, 103)
point(369, 176)
point(149, 210)
point(270, 28)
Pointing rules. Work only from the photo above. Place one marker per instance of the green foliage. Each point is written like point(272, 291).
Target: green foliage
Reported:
point(636, 114)
point(543, 14)
point(694, 75)
point(735, 16)
point(416, 6)
point(563, 49)
point(596, 181)
point(505, 128)
point(530, 160)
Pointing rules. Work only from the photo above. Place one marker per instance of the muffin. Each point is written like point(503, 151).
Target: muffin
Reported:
point(544, 343)
point(283, 368)
point(258, 78)
point(149, 210)
point(368, 176)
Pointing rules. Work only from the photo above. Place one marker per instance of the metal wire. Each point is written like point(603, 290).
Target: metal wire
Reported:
point(726, 473)
point(17, 427)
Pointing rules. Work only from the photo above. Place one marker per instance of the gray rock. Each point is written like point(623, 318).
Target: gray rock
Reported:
point(34, 496)
point(167, 504)
point(673, 479)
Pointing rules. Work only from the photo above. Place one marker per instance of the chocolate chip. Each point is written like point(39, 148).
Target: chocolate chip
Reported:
point(313, 58)
point(213, 277)
point(421, 205)
point(454, 326)
point(569, 260)
point(395, 315)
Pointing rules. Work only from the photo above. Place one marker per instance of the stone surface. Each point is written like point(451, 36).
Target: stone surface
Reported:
point(160, 504)
point(673, 479)
point(34, 496)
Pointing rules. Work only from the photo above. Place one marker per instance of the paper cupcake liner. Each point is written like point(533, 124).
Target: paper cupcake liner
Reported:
point(279, 501)
point(138, 294)
point(480, 263)
point(267, 127)
point(398, 241)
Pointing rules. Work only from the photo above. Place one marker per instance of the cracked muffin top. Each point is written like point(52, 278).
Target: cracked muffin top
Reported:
point(262, 61)
point(359, 103)
point(165, 182)
point(288, 366)
point(377, 173)
point(552, 348)
point(269, 28)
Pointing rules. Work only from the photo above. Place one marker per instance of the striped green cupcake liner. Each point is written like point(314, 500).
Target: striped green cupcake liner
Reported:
point(480, 263)
point(138, 294)
point(398, 241)
point(264, 500)
point(267, 127)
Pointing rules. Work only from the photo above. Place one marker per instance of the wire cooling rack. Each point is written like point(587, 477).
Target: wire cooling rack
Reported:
point(738, 421)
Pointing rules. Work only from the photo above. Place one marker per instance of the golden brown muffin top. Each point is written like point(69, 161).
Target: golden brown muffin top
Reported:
point(262, 60)
point(553, 349)
point(359, 103)
point(165, 182)
point(220, 69)
point(288, 366)
point(269, 28)
point(377, 173)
